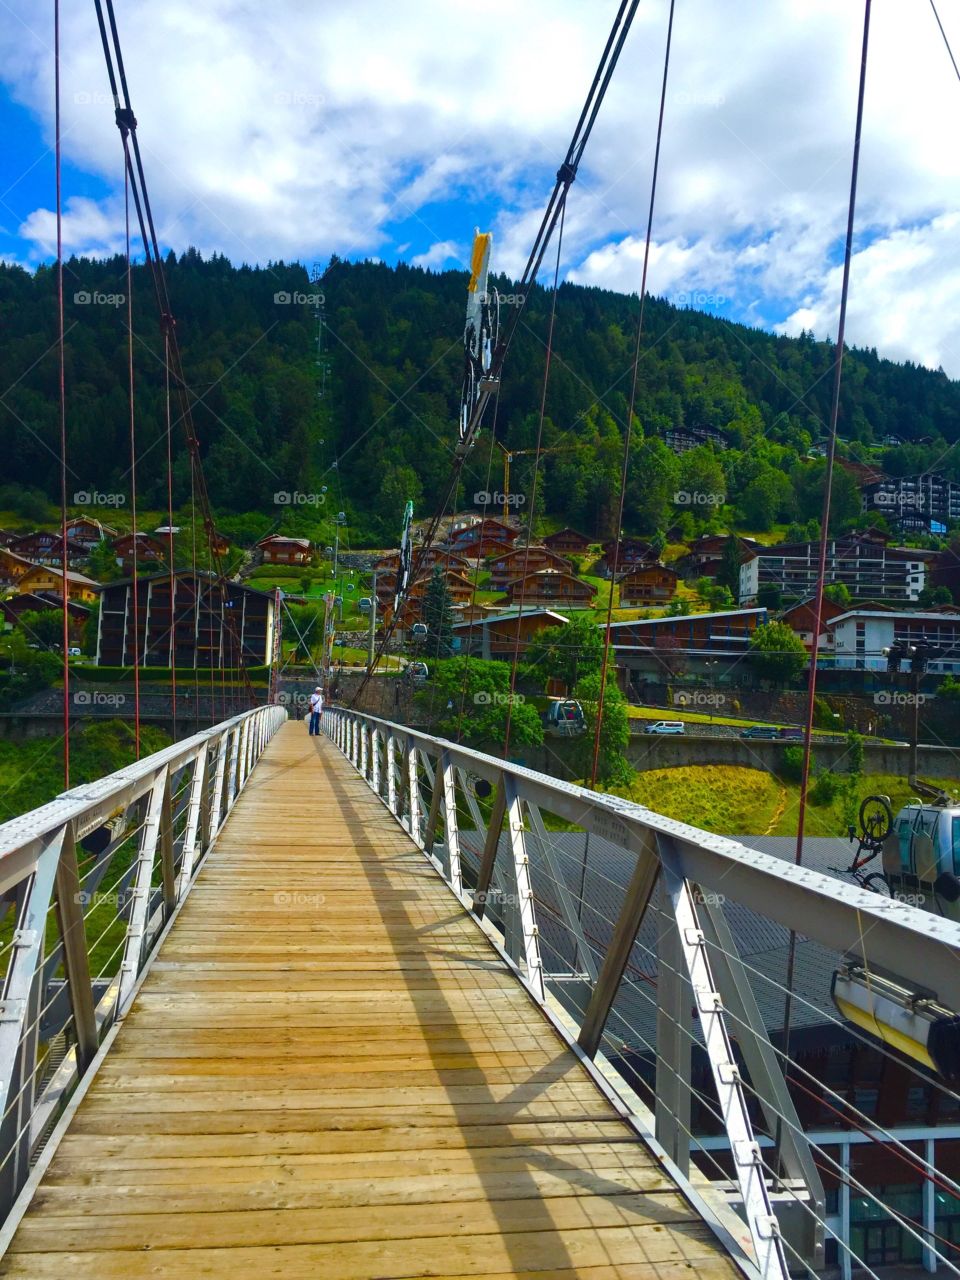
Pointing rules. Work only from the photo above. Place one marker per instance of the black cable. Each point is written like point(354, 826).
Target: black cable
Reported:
point(945, 40)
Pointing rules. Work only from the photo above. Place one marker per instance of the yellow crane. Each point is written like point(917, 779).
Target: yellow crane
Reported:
point(508, 457)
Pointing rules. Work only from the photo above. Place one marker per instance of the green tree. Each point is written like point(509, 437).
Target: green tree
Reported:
point(438, 615)
point(769, 596)
point(102, 563)
point(613, 768)
point(568, 652)
point(778, 653)
point(931, 596)
point(482, 689)
point(728, 575)
point(43, 626)
point(839, 593)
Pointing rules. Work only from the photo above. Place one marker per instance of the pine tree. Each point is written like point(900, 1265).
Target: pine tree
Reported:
point(438, 615)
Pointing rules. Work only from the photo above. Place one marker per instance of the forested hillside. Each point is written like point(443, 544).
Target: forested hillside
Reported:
point(384, 428)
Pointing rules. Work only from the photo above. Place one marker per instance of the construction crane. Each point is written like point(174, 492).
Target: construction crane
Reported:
point(508, 457)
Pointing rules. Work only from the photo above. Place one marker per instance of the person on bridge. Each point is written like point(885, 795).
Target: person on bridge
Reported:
point(316, 706)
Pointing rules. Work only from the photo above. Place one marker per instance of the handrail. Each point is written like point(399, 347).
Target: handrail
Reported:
point(155, 819)
point(504, 866)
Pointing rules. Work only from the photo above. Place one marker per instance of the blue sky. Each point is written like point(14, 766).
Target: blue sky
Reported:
point(390, 132)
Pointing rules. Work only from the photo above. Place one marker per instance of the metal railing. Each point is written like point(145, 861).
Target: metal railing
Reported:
point(635, 950)
point(88, 883)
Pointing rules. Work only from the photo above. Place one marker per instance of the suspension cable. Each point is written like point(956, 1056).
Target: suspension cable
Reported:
point(566, 175)
point(825, 518)
point(628, 430)
point(170, 556)
point(135, 585)
point(548, 360)
point(64, 557)
point(945, 40)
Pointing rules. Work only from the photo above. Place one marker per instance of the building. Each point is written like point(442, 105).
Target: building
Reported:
point(483, 538)
point(568, 542)
point(430, 557)
point(504, 569)
point(944, 570)
point(801, 619)
point(648, 584)
point(41, 578)
point(495, 636)
point(12, 568)
point(143, 548)
point(860, 637)
point(705, 555)
point(13, 609)
point(89, 532)
point(277, 549)
point(46, 547)
point(709, 644)
point(862, 562)
point(925, 503)
point(680, 439)
point(551, 587)
point(216, 624)
point(631, 551)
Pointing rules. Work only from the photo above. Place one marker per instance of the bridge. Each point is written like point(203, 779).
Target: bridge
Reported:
point(348, 1005)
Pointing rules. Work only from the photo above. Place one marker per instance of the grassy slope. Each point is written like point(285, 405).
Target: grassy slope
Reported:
point(735, 800)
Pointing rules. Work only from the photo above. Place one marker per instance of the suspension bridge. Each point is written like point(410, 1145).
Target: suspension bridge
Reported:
point(286, 1004)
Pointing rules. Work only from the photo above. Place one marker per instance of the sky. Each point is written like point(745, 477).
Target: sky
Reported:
point(389, 131)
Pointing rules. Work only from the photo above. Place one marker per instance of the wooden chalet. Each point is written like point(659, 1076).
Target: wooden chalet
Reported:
point(41, 578)
point(12, 610)
point(504, 569)
point(550, 587)
point(568, 542)
point(488, 537)
point(46, 547)
point(12, 568)
point(632, 551)
point(89, 532)
point(278, 549)
point(431, 557)
point(495, 636)
point(648, 584)
point(145, 549)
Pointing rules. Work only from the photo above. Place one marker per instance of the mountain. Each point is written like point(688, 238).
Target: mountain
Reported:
point(372, 414)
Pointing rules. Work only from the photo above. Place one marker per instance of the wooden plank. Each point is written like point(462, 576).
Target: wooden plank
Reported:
point(330, 1071)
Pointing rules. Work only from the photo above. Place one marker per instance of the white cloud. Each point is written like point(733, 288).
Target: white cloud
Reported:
point(439, 255)
point(292, 130)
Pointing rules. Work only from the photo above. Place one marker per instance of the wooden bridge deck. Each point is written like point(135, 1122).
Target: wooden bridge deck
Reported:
point(328, 1072)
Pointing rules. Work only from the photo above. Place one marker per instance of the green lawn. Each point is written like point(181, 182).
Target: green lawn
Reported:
point(736, 800)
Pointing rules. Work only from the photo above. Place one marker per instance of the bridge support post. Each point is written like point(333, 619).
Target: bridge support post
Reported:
point(391, 768)
point(193, 823)
point(20, 1021)
point(137, 928)
point(363, 751)
point(413, 788)
point(674, 1047)
point(375, 759)
point(529, 933)
point(446, 776)
point(76, 962)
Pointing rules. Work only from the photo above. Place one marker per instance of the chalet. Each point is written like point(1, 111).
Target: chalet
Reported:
point(45, 578)
point(12, 568)
point(7, 536)
point(13, 609)
point(648, 584)
point(432, 556)
point(277, 549)
point(142, 548)
point(46, 547)
point(485, 538)
point(458, 584)
point(568, 542)
point(522, 560)
point(550, 587)
point(632, 551)
point(861, 637)
point(210, 624)
point(89, 532)
point(496, 636)
point(801, 619)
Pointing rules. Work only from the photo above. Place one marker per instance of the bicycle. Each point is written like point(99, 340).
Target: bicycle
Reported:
point(876, 823)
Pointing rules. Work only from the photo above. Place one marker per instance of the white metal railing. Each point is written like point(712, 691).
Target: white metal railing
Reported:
point(88, 883)
point(501, 837)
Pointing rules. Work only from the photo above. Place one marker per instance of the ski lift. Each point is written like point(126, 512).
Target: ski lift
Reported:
point(419, 629)
point(564, 718)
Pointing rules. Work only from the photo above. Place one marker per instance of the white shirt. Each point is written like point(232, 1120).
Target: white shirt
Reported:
point(316, 702)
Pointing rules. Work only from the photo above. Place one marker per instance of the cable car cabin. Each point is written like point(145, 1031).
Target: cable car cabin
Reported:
point(921, 857)
point(564, 718)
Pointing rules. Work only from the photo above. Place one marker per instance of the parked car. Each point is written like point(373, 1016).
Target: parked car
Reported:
point(664, 726)
point(791, 733)
point(767, 731)
point(74, 652)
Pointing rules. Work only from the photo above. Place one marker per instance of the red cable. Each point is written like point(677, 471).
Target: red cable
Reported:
point(64, 559)
point(173, 577)
point(133, 458)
